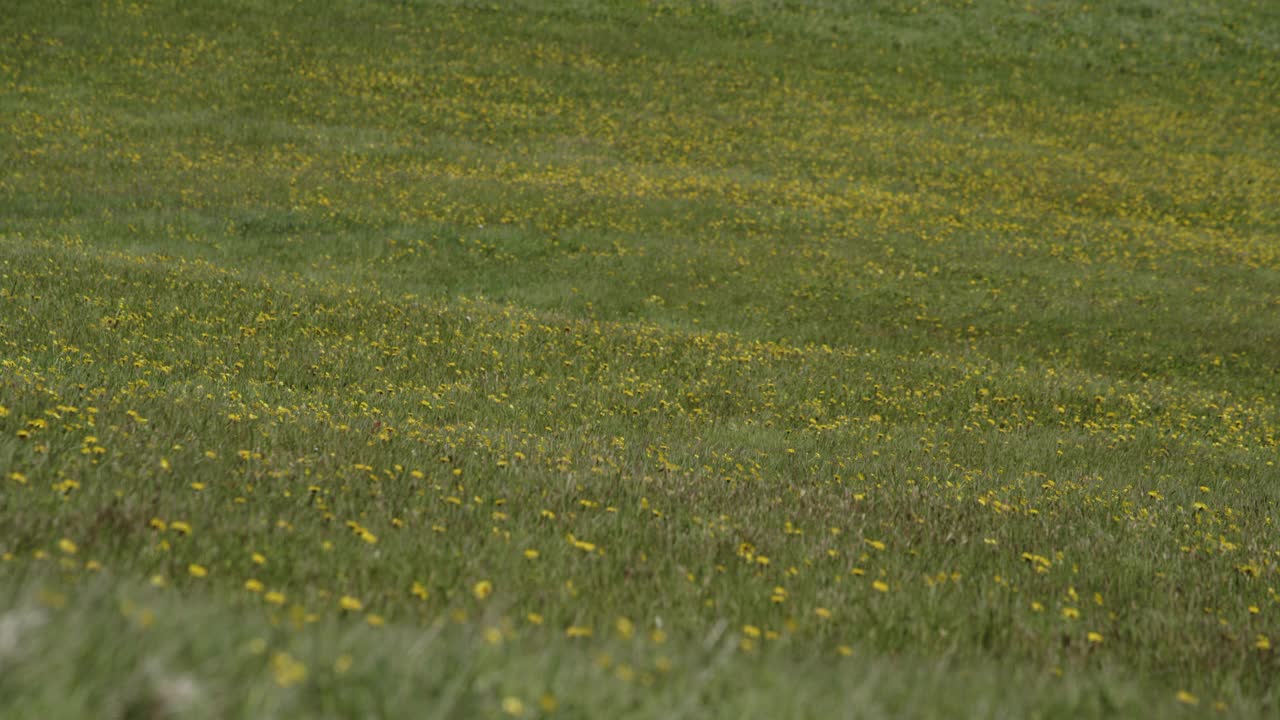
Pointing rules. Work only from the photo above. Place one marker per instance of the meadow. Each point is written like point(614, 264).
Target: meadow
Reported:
point(639, 359)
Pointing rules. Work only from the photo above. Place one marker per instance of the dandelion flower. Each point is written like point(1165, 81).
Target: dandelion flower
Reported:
point(286, 670)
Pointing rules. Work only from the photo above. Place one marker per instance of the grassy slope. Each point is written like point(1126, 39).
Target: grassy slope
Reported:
point(975, 303)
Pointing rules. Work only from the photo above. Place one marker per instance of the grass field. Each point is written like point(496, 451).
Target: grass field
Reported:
point(639, 359)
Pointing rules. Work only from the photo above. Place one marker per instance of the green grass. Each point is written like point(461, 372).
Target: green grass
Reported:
point(639, 359)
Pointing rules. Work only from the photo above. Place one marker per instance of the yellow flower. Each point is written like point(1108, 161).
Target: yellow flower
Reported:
point(419, 591)
point(1095, 638)
point(275, 597)
point(881, 586)
point(1263, 642)
point(1070, 613)
point(577, 631)
point(287, 671)
point(349, 603)
point(197, 570)
point(66, 546)
point(253, 585)
point(845, 650)
point(375, 620)
point(482, 589)
point(822, 612)
point(1187, 698)
point(512, 706)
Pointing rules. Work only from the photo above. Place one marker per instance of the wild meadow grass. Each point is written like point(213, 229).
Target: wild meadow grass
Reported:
point(639, 359)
